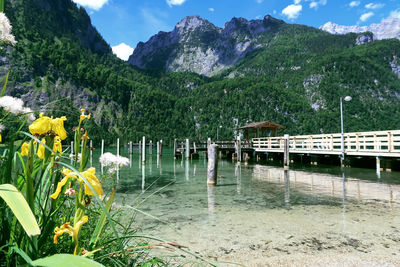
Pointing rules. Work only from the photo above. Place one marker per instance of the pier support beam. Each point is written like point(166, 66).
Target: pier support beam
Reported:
point(286, 157)
point(378, 167)
point(212, 168)
point(140, 147)
point(161, 147)
point(102, 152)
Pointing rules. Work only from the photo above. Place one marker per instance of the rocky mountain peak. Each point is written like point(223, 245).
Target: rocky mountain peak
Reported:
point(190, 23)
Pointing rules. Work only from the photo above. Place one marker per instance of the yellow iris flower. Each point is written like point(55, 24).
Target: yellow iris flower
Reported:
point(90, 176)
point(25, 149)
point(41, 150)
point(45, 124)
point(66, 228)
point(57, 147)
point(83, 116)
point(1, 139)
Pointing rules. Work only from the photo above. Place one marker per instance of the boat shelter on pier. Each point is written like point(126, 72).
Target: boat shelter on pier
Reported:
point(260, 129)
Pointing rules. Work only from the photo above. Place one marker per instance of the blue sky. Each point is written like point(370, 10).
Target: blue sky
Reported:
point(124, 23)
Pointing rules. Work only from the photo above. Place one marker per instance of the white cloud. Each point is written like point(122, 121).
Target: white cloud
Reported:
point(259, 1)
point(292, 11)
point(315, 4)
point(364, 17)
point(395, 14)
point(123, 51)
point(211, 9)
point(296, 2)
point(374, 6)
point(354, 3)
point(175, 2)
point(92, 4)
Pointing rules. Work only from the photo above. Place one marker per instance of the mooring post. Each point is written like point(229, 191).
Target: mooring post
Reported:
point(140, 147)
point(161, 148)
point(208, 145)
point(187, 149)
point(91, 152)
point(144, 150)
point(286, 157)
point(151, 147)
point(158, 148)
point(117, 146)
point(130, 154)
point(378, 167)
point(175, 148)
point(102, 152)
point(212, 168)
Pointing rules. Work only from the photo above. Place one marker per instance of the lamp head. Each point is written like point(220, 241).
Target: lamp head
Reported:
point(347, 98)
point(220, 126)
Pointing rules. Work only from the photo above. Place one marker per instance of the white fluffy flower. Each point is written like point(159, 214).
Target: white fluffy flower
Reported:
point(15, 106)
point(113, 161)
point(2, 127)
point(5, 29)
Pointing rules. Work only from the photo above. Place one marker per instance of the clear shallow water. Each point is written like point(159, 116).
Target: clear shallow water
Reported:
point(259, 214)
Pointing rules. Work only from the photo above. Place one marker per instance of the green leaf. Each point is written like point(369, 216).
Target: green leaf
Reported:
point(17, 203)
point(65, 260)
point(8, 73)
point(102, 219)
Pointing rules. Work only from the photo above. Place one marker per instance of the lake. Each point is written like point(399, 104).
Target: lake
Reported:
point(260, 215)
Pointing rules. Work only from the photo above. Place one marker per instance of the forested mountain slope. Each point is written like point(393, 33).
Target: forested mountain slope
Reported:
point(293, 75)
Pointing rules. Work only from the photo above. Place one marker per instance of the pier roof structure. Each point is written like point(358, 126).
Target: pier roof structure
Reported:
point(260, 129)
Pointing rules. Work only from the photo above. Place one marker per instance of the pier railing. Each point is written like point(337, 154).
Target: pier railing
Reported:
point(385, 143)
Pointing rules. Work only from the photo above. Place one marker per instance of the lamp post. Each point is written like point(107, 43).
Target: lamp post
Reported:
point(218, 129)
point(347, 99)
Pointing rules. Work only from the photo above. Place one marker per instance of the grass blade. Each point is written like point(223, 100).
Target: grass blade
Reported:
point(66, 260)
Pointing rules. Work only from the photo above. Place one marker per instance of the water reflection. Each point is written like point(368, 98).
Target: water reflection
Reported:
point(143, 177)
point(287, 189)
point(211, 201)
point(238, 175)
point(187, 170)
point(330, 185)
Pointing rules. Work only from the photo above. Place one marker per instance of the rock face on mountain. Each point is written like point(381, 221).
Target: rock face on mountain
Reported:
point(197, 45)
point(387, 29)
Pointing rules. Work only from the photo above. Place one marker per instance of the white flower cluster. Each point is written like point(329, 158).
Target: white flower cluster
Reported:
point(16, 106)
point(113, 161)
point(2, 127)
point(5, 30)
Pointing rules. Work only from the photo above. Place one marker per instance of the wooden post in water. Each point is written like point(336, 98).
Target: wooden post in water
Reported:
point(117, 147)
point(208, 145)
point(91, 152)
point(187, 154)
point(102, 152)
point(158, 148)
point(151, 147)
point(130, 147)
point(130, 154)
point(175, 148)
point(239, 149)
point(286, 158)
point(144, 150)
point(140, 147)
point(161, 148)
point(212, 168)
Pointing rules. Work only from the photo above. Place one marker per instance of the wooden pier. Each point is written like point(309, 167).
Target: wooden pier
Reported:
point(378, 144)
point(375, 144)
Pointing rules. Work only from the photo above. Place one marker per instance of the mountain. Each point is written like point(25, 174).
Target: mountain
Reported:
point(258, 70)
point(388, 28)
point(196, 45)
